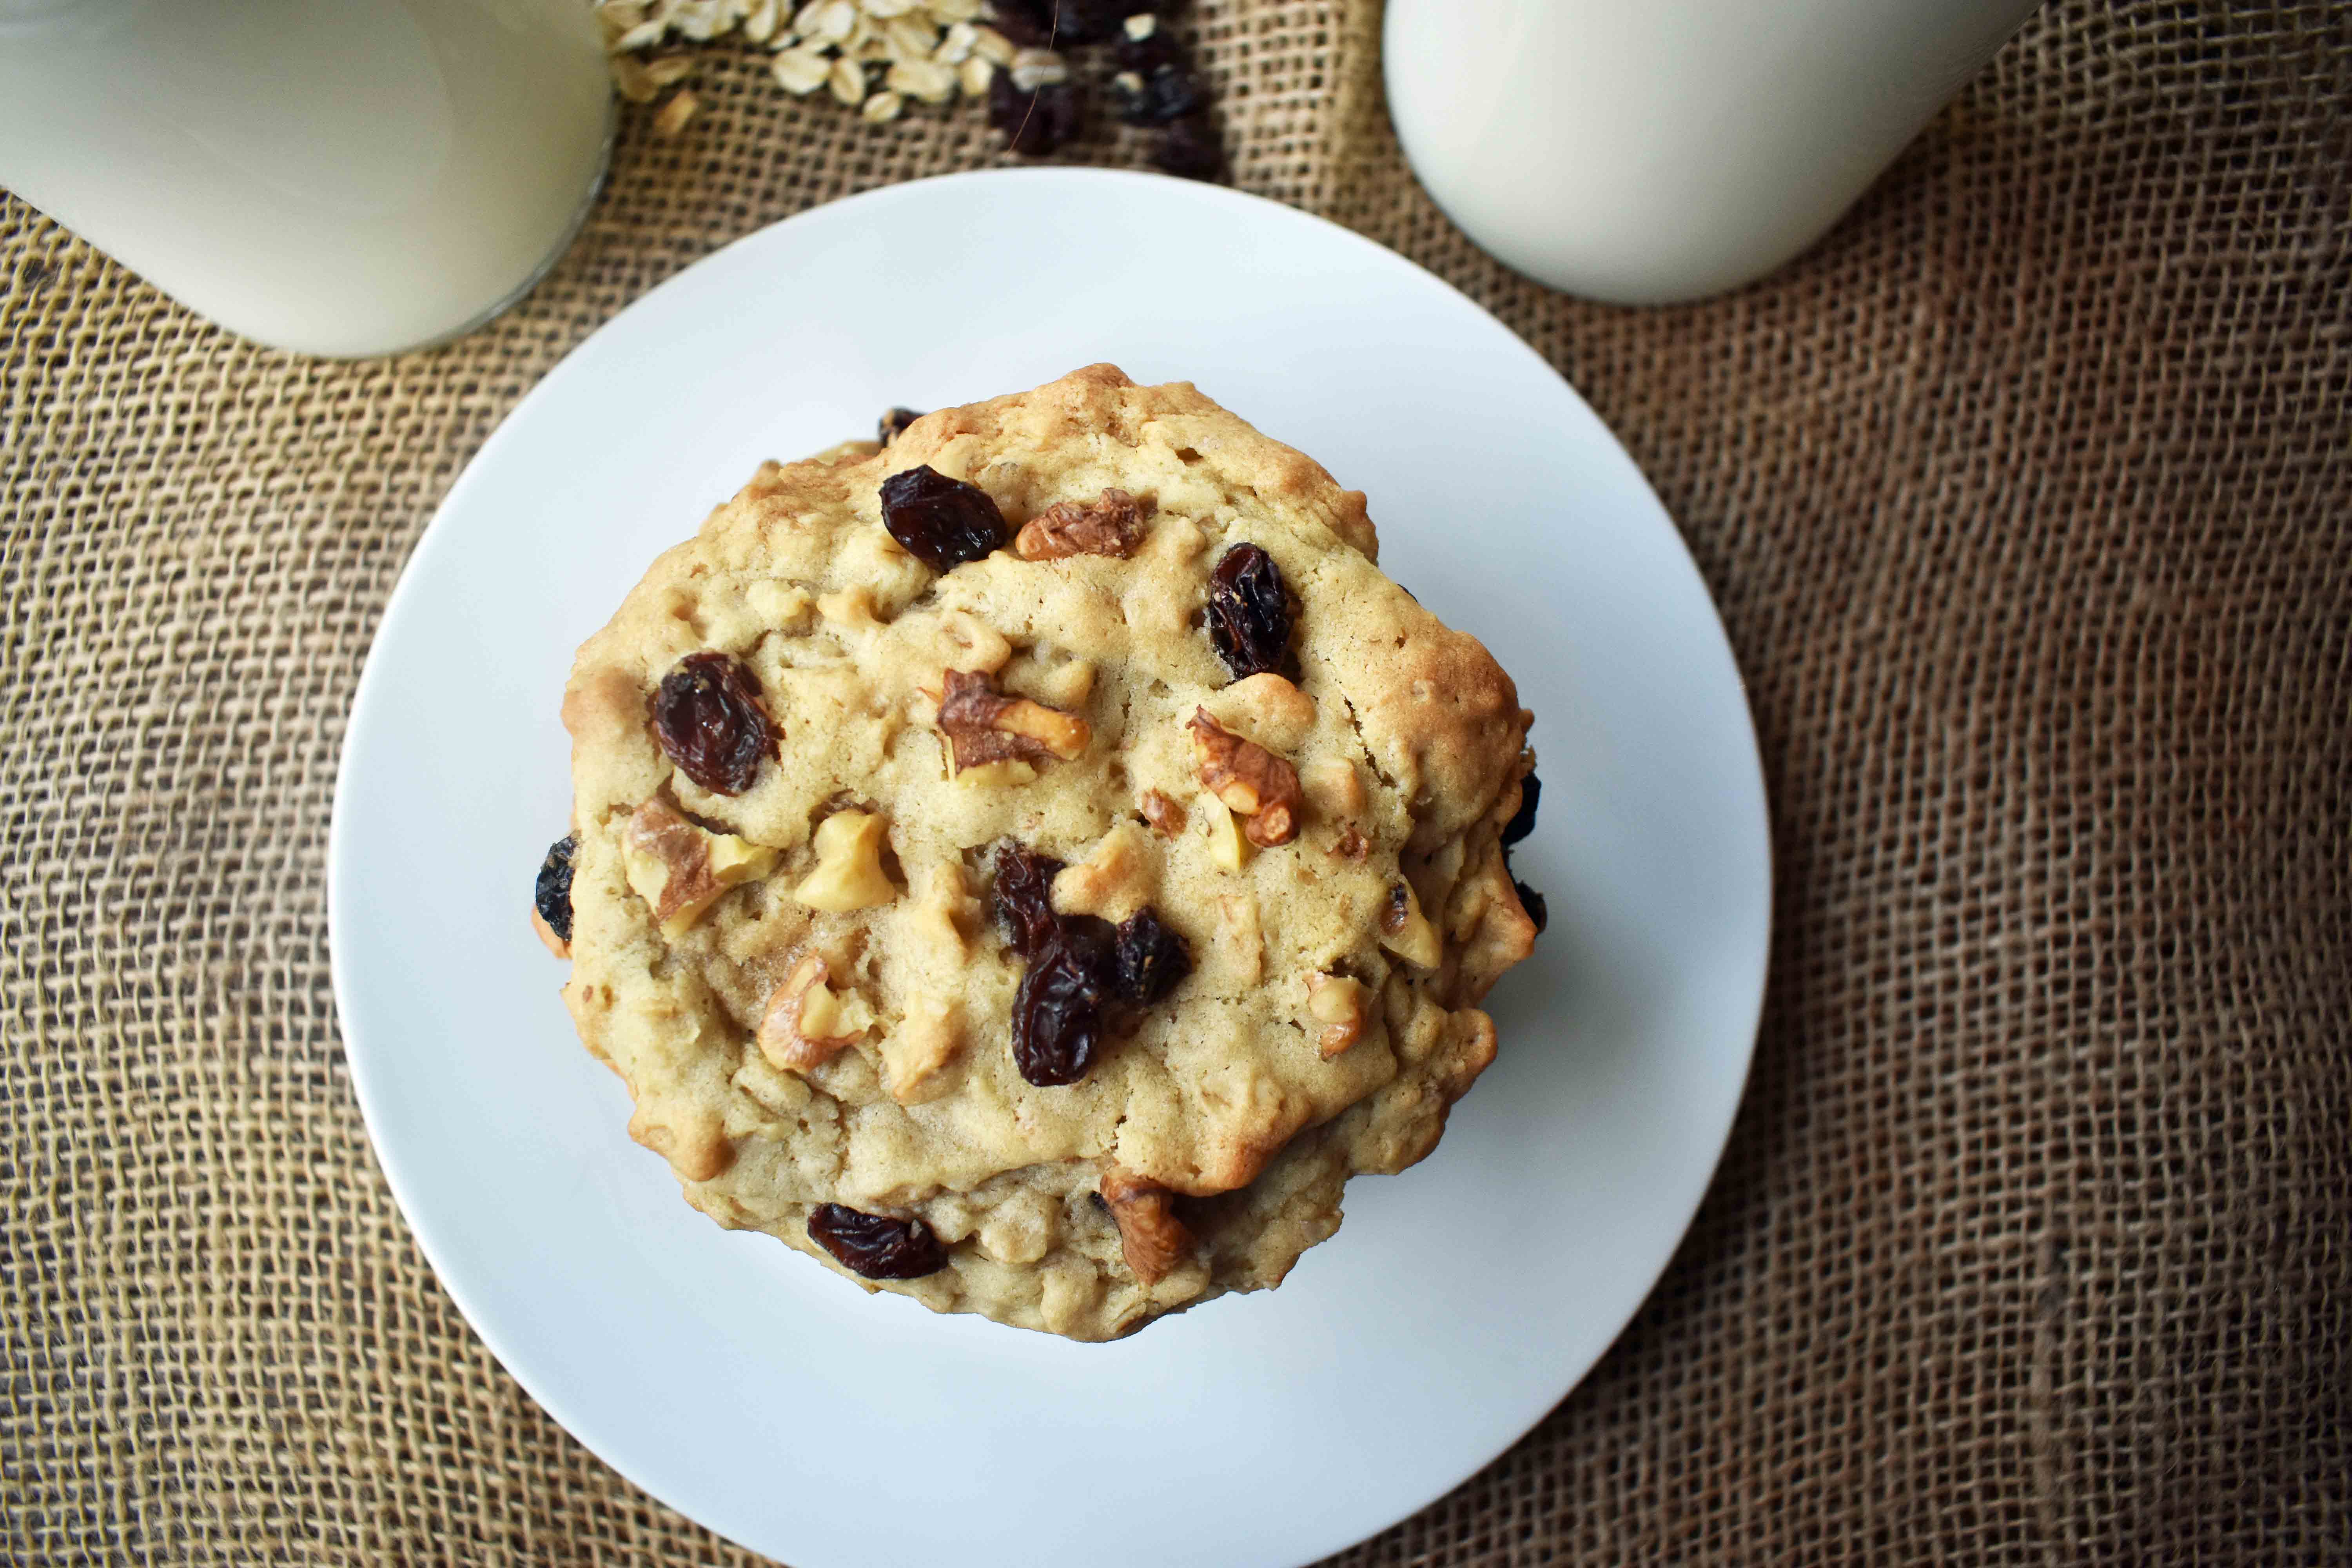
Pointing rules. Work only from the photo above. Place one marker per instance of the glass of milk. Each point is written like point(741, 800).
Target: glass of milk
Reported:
point(1641, 151)
point(342, 178)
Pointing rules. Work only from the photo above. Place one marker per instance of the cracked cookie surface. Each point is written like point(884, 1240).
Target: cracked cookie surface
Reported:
point(803, 980)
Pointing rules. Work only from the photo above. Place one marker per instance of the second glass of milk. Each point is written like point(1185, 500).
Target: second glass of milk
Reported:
point(1641, 151)
point(342, 178)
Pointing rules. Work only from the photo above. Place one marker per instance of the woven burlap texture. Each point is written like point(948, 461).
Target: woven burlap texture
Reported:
point(2025, 499)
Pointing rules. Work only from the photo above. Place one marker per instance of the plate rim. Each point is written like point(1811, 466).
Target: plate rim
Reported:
point(437, 532)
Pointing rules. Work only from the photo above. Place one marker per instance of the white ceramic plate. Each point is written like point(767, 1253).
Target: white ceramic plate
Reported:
point(776, 1402)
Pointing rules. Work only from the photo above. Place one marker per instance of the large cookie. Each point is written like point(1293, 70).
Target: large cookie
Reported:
point(821, 781)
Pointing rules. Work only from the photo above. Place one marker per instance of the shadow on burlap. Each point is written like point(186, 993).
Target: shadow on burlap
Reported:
point(2025, 497)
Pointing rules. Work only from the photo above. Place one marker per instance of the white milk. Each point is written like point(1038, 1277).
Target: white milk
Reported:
point(1646, 151)
point(332, 176)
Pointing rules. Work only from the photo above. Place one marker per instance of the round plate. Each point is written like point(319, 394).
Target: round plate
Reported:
point(774, 1401)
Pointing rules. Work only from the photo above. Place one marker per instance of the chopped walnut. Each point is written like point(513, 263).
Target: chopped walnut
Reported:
point(1113, 524)
point(916, 1054)
point(852, 609)
point(680, 869)
point(806, 1025)
point(1114, 882)
point(848, 874)
point(1251, 780)
point(1008, 774)
point(983, 725)
point(944, 911)
point(1406, 932)
point(1227, 847)
point(1335, 1002)
point(779, 605)
point(1019, 1230)
point(1149, 1234)
point(1065, 685)
point(967, 642)
point(1166, 817)
point(1280, 715)
point(1352, 846)
point(1240, 938)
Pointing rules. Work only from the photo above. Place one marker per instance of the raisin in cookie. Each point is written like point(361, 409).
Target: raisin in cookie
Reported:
point(1030, 865)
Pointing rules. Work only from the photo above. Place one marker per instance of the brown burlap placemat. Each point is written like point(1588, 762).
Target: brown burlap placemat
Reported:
point(2025, 500)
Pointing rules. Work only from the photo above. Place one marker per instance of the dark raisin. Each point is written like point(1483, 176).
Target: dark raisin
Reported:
point(552, 892)
point(894, 424)
point(1050, 24)
point(1093, 21)
point(1028, 23)
point(1249, 616)
point(1057, 1013)
point(1523, 821)
point(1035, 121)
point(1397, 910)
point(1151, 958)
point(1147, 54)
point(1190, 150)
point(1023, 899)
point(943, 522)
point(874, 1245)
point(709, 717)
point(1155, 97)
point(1533, 902)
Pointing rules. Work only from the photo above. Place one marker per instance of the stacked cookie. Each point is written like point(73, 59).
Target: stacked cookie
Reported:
point(1032, 864)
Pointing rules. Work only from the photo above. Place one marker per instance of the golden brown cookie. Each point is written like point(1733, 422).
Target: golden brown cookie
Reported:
point(823, 779)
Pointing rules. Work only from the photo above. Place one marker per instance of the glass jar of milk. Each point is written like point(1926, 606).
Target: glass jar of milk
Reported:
point(1641, 151)
point(344, 177)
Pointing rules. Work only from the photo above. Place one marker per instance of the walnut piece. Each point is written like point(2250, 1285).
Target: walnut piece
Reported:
point(1149, 1234)
point(1007, 774)
point(848, 874)
point(1065, 685)
point(916, 1054)
point(1227, 847)
point(1019, 1230)
point(1335, 1002)
point(967, 642)
point(944, 912)
point(1113, 524)
point(680, 869)
point(806, 1025)
point(983, 725)
point(1251, 780)
point(1352, 846)
point(851, 609)
point(1406, 932)
point(1280, 715)
point(1240, 938)
point(1113, 881)
point(1166, 817)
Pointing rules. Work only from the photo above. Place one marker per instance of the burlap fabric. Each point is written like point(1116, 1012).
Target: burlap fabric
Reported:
point(2025, 500)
